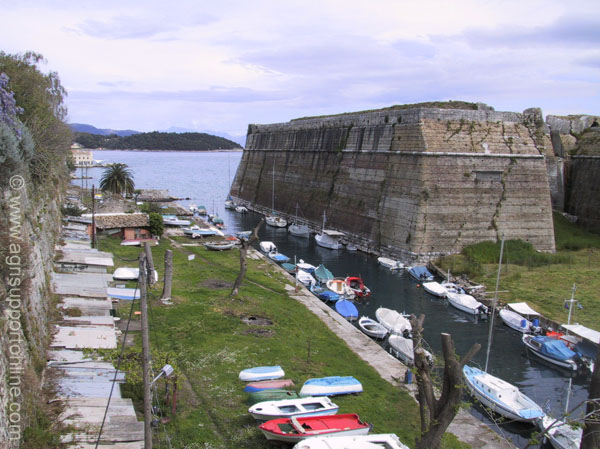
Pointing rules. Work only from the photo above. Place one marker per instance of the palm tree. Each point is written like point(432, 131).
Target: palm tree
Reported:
point(117, 178)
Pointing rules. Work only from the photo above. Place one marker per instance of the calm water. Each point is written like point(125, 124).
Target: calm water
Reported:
point(205, 179)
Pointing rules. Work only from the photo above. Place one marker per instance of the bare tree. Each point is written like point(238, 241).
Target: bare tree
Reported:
point(245, 244)
point(437, 414)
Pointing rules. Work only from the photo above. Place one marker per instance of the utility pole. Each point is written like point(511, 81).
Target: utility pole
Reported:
point(93, 216)
point(145, 353)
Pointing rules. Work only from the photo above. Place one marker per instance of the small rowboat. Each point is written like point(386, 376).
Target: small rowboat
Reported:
point(403, 348)
point(264, 411)
point(219, 246)
point(293, 430)
point(372, 328)
point(289, 267)
point(253, 387)
point(329, 386)
point(273, 394)
point(261, 373)
point(305, 278)
point(371, 441)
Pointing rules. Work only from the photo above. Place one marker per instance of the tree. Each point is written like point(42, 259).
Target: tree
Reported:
point(245, 244)
point(157, 225)
point(591, 431)
point(117, 178)
point(437, 414)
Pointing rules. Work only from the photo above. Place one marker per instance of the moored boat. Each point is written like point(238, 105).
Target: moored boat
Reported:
point(322, 274)
point(278, 257)
point(339, 286)
point(500, 396)
point(552, 350)
point(357, 285)
point(309, 268)
point(329, 238)
point(435, 289)
point(420, 273)
point(305, 278)
point(253, 387)
point(403, 348)
point(394, 322)
point(372, 328)
point(330, 386)
point(390, 263)
point(241, 209)
point(276, 221)
point(324, 294)
point(286, 408)
point(202, 210)
point(516, 321)
point(560, 434)
point(261, 373)
point(293, 430)
point(266, 246)
point(466, 303)
point(346, 309)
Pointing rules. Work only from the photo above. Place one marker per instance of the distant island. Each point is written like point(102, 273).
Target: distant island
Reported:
point(155, 140)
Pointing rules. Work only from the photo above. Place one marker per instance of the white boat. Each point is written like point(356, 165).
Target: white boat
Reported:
point(331, 386)
point(172, 220)
point(371, 441)
point(339, 286)
point(241, 209)
point(261, 373)
point(403, 348)
point(560, 434)
point(435, 288)
point(516, 321)
point(267, 247)
point(351, 247)
point(286, 408)
point(306, 266)
point(372, 328)
point(329, 238)
point(229, 204)
point(305, 278)
point(390, 263)
point(130, 274)
point(193, 208)
point(466, 303)
point(276, 221)
point(197, 231)
point(394, 322)
point(500, 396)
point(552, 350)
point(298, 229)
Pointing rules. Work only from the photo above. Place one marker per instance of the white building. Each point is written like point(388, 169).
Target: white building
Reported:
point(81, 157)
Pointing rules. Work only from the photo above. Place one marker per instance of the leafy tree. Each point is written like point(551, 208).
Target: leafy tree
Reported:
point(157, 225)
point(117, 178)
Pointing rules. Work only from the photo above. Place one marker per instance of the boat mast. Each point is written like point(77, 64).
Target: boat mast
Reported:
point(489, 345)
point(571, 301)
point(273, 190)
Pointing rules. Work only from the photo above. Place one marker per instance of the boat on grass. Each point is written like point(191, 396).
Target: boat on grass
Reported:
point(420, 273)
point(286, 408)
point(324, 294)
point(130, 274)
point(261, 373)
point(370, 441)
point(330, 386)
point(552, 350)
point(466, 303)
point(197, 231)
point(293, 430)
point(138, 242)
point(357, 285)
point(272, 394)
point(394, 322)
point(172, 220)
point(253, 387)
point(390, 263)
point(500, 396)
point(345, 308)
point(219, 246)
point(435, 289)
point(322, 274)
point(372, 328)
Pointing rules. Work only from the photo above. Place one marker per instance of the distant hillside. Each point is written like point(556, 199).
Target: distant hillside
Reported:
point(83, 128)
point(156, 141)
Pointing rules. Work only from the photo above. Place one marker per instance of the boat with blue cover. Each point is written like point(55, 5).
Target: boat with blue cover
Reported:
point(261, 373)
point(552, 350)
point(278, 257)
point(420, 273)
point(346, 309)
point(324, 294)
point(330, 386)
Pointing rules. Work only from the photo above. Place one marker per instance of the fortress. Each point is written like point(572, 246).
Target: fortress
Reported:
point(412, 181)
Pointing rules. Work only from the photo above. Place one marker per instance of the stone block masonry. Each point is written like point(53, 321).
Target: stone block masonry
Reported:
point(413, 183)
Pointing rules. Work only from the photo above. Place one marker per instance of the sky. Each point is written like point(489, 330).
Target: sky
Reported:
point(218, 66)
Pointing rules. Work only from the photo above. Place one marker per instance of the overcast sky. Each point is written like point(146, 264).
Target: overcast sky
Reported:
point(220, 65)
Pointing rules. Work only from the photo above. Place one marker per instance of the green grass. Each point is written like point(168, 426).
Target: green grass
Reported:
point(204, 336)
point(543, 280)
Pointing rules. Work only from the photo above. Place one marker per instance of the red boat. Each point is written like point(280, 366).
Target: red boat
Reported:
point(253, 387)
point(358, 287)
point(292, 430)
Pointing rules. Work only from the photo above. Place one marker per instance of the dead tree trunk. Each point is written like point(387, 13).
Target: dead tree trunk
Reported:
point(437, 414)
point(591, 431)
point(245, 244)
point(149, 263)
point(166, 294)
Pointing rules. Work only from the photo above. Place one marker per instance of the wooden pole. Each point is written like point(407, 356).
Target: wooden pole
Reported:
point(93, 216)
point(149, 263)
point(166, 294)
point(145, 354)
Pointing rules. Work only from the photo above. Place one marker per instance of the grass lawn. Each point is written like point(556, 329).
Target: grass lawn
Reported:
point(544, 281)
point(204, 337)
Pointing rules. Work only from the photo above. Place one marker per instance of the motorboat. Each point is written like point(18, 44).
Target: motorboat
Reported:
point(403, 348)
point(370, 441)
point(193, 208)
point(435, 289)
point(293, 430)
point(500, 396)
point(330, 386)
point(339, 286)
point(552, 350)
point(261, 373)
point(357, 285)
point(420, 273)
point(229, 204)
point(267, 247)
point(372, 328)
point(329, 238)
point(286, 408)
point(241, 209)
point(466, 303)
point(322, 274)
point(390, 263)
point(172, 220)
point(516, 321)
point(347, 309)
point(394, 322)
point(305, 278)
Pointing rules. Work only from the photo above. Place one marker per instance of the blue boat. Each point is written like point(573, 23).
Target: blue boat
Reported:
point(420, 273)
point(322, 274)
point(289, 267)
point(261, 373)
point(552, 350)
point(278, 257)
point(324, 294)
point(346, 309)
point(330, 386)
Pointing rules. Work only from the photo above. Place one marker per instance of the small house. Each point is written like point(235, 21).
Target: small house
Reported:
point(126, 226)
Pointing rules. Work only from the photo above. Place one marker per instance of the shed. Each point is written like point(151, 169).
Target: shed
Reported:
point(126, 226)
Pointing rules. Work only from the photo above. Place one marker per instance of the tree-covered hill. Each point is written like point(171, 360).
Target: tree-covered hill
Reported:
point(156, 141)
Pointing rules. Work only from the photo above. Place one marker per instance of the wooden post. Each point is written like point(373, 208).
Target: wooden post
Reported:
point(93, 217)
point(174, 402)
point(149, 263)
point(145, 354)
point(166, 294)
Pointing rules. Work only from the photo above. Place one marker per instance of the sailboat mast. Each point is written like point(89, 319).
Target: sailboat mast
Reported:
point(489, 345)
point(273, 190)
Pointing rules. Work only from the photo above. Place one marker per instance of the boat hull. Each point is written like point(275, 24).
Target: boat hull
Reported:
point(569, 364)
point(372, 328)
point(331, 386)
point(254, 387)
point(312, 426)
point(261, 373)
point(327, 242)
point(265, 411)
point(299, 230)
point(456, 301)
point(371, 441)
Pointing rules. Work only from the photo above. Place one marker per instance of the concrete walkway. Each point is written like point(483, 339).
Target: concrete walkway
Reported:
point(465, 426)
